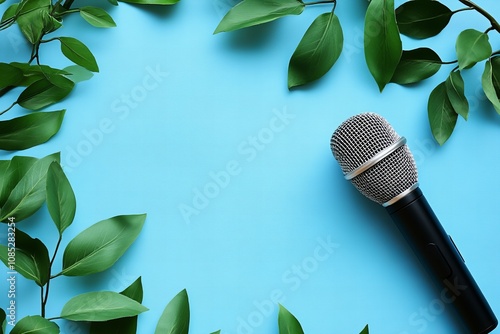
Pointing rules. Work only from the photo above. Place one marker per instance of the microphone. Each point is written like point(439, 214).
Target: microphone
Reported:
point(379, 164)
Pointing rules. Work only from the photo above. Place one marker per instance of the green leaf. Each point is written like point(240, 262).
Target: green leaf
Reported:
point(175, 317)
point(10, 13)
point(11, 172)
point(318, 50)
point(491, 82)
point(11, 75)
point(98, 247)
point(45, 92)
point(216, 332)
point(422, 19)
point(472, 47)
point(416, 65)
point(101, 306)
point(124, 325)
point(383, 47)
point(365, 330)
point(32, 18)
point(253, 12)
point(61, 200)
point(32, 258)
point(97, 17)
point(78, 53)
point(442, 117)
point(35, 325)
point(113, 2)
point(151, 2)
point(29, 130)
point(287, 322)
point(29, 193)
point(33, 73)
point(455, 89)
point(78, 73)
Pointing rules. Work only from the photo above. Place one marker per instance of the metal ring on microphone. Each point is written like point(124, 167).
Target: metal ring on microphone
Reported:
point(376, 158)
point(398, 197)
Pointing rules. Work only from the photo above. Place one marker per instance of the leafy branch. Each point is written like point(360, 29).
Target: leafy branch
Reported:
point(387, 61)
point(43, 85)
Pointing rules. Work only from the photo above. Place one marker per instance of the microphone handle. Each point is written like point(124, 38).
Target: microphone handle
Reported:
point(438, 254)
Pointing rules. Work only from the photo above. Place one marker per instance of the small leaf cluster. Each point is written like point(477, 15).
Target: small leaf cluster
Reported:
point(387, 61)
point(447, 101)
point(42, 85)
point(26, 183)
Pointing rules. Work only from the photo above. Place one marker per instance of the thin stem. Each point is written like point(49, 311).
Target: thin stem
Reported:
point(69, 11)
point(11, 106)
point(46, 297)
point(67, 4)
point(449, 62)
point(54, 318)
point(42, 313)
point(462, 10)
point(319, 2)
point(488, 30)
point(495, 25)
point(7, 23)
point(49, 40)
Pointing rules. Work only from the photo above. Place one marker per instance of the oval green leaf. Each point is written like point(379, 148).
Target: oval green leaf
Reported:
point(35, 325)
point(78, 73)
point(97, 17)
point(101, 306)
point(365, 330)
point(472, 47)
point(175, 317)
point(12, 172)
point(491, 82)
point(78, 53)
point(32, 258)
point(11, 75)
point(98, 247)
point(422, 19)
point(455, 89)
point(253, 12)
point(416, 65)
point(45, 92)
point(317, 52)
point(32, 73)
point(31, 18)
point(61, 201)
point(10, 13)
point(126, 325)
point(28, 195)
point(29, 130)
point(442, 117)
point(383, 47)
point(287, 322)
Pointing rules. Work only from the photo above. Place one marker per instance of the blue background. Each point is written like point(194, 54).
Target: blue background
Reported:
point(284, 226)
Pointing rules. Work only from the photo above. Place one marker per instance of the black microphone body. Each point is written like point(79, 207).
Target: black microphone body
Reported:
point(439, 255)
point(379, 164)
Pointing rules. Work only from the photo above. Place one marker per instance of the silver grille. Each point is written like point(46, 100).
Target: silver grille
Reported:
point(359, 139)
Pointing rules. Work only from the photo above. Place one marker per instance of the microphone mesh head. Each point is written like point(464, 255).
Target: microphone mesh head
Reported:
point(359, 139)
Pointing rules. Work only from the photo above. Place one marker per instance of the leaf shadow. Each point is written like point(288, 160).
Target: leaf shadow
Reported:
point(157, 11)
point(252, 38)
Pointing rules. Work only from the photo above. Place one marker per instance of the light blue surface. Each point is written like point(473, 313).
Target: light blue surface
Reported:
point(174, 106)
